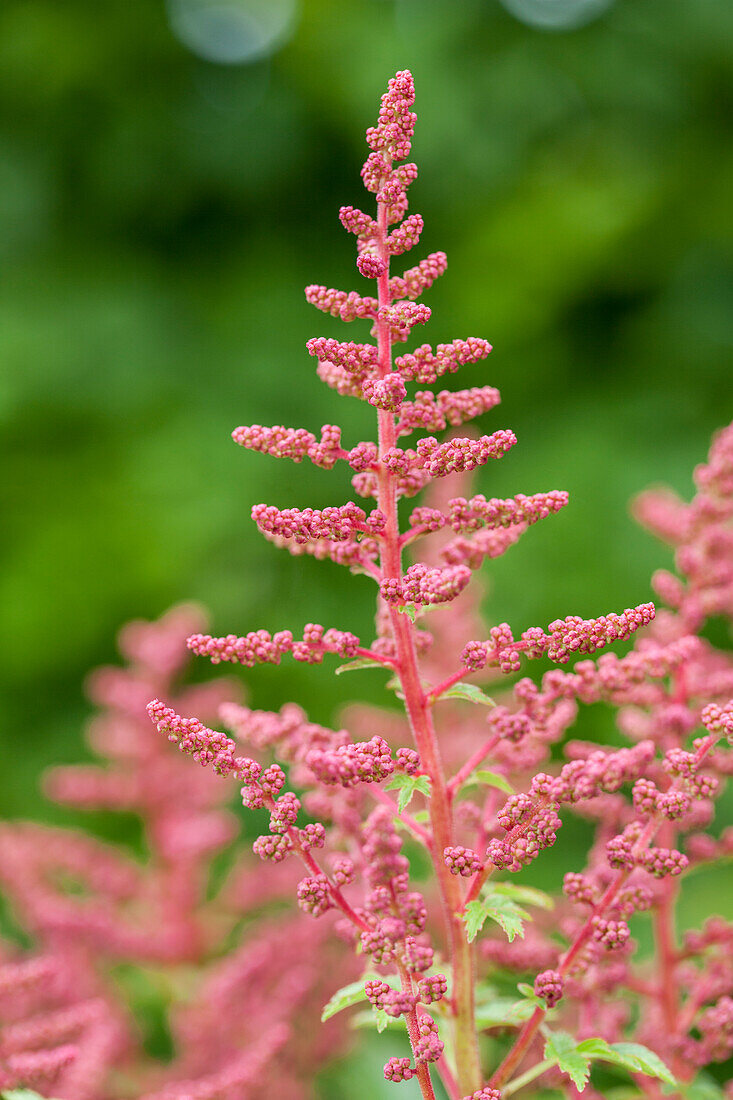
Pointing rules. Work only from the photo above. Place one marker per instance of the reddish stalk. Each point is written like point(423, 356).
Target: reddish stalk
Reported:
point(472, 763)
point(422, 1071)
point(468, 1069)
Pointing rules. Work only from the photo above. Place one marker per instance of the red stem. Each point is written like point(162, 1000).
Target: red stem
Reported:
point(473, 762)
point(315, 869)
point(422, 1072)
point(420, 719)
point(435, 693)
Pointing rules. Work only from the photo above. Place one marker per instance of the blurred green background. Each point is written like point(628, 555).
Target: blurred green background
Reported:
point(170, 179)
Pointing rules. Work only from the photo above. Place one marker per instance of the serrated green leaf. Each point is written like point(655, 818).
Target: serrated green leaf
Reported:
point(343, 998)
point(503, 910)
point(485, 778)
point(407, 785)
point(409, 610)
point(474, 918)
point(530, 895)
point(361, 662)
point(640, 1059)
point(503, 1012)
point(631, 1056)
point(562, 1051)
point(595, 1048)
point(508, 915)
point(471, 692)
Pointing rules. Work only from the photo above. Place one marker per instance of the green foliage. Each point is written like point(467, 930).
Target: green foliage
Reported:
point(348, 995)
point(499, 902)
point(702, 1088)
point(562, 1051)
point(22, 1094)
point(503, 1012)
point(503, 910)
point(575, 1059)
point(483, 778)
point(470, 692)
point(529, 895)
point(357, 665)
point(408, 785)
point(377, 1018)
point(530, 995)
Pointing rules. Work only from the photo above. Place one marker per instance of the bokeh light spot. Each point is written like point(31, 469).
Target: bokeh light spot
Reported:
point(232, 32)
point(556, 14)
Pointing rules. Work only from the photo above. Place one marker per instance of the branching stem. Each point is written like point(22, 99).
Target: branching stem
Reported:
point(465, 1042)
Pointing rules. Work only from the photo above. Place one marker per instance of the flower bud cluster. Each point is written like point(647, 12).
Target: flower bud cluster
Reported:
point(423, 585)
point(346, 306)
point(419, 278)
point(425, 365)
point(566, 636)
point(363, 762)
point(305, 525)
point(549, 986)
point(450, 408)
point(260, 647)
point(462, 861)
point(295, 443)
point(206, 746)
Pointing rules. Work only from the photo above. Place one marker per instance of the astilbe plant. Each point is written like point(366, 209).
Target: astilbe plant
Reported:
point(473, 788)
point(651, 802)
point(115, 934)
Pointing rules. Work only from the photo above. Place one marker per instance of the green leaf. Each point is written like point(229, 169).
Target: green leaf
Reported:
point(21, 1094)
point(470, 692)
point(409, 610)
point(631, 1056)
point(595, 1048)
point(508, 915)
point(361, 662)
point(562, 1051)
point(474, 918)
point(531, 996)
point(503, 910)
point(484, 778)
point(407, 785)
point(640, 1059)
point(343, 998)
point(530, 895)
point(377, 1018)
point(503, 1012)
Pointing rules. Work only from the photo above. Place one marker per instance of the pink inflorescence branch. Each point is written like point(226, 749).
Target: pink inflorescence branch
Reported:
point(489, 796)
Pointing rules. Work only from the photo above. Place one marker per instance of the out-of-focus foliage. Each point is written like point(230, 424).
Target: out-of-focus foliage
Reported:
point(160, 214)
